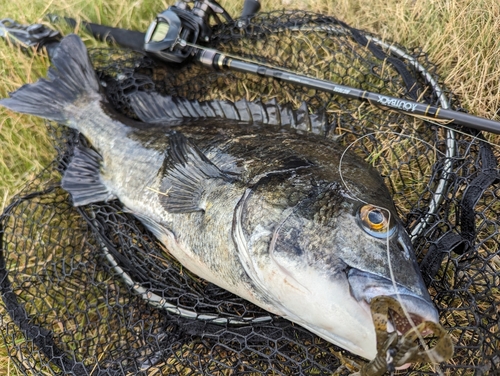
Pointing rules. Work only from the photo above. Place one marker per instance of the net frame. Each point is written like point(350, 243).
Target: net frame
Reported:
point(437, 196)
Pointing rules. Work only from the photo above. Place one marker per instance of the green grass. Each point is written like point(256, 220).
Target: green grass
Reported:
point(460, 36)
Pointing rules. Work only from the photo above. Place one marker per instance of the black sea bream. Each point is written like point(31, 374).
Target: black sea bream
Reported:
point(257, 210)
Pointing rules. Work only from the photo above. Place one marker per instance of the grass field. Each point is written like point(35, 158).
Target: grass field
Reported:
point(462, 37)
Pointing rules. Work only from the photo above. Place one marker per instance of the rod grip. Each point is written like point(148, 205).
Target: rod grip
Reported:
point(250, 8)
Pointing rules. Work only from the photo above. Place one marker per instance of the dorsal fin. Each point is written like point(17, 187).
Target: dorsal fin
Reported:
point(155, 108)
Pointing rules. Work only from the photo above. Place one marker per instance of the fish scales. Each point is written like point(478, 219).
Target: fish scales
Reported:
point(257, 209)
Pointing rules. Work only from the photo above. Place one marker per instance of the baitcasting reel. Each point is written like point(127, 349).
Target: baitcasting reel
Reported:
point(171, 34)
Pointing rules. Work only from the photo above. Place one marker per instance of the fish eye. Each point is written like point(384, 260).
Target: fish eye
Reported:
point(375, 221)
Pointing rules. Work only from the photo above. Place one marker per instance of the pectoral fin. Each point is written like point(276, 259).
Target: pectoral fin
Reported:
point(187, 175)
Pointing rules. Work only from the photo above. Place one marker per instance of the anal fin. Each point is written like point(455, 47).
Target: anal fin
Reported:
point(82, 178)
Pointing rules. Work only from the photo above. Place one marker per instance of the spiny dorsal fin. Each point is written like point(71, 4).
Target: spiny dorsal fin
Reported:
point(82, 178)
point(154, 108)
point(187, 174)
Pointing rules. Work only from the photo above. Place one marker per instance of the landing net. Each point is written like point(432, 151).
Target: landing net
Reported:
point(89, 291)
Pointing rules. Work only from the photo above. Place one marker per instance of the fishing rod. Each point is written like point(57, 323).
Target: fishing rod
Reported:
point(219, 60)
point(168, 39)
point(35, 36)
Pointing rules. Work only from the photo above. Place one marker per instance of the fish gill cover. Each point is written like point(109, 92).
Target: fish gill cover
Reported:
point(76, 281)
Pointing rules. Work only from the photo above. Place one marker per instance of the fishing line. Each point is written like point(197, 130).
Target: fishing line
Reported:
point(449, 157)
point(474, 137)
point(398, 298)
point(389, 214)
point(438, 194)
point(219, 60)
point(344, 182)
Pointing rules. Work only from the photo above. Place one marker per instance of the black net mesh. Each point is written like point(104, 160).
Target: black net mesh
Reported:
point(76, 282)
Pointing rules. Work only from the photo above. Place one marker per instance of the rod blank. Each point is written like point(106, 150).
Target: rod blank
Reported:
point(218, 60)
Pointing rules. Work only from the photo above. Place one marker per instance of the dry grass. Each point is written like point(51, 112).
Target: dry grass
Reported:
point(460, 36)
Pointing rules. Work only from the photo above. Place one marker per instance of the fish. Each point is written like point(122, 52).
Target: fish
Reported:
point(290, 221)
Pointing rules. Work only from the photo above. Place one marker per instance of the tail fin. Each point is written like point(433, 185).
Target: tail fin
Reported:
point(71, 77)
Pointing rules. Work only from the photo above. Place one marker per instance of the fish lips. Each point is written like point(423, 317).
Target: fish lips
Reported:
point(365, 286)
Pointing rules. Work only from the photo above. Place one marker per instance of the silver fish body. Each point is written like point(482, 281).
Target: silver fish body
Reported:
point(259, 211)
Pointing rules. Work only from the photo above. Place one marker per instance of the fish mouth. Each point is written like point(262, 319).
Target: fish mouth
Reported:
point(418, 308)
point(402, 323)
